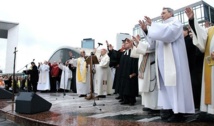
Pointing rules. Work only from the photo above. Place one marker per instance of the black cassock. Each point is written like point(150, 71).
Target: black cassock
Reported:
point(114, 62)
point(34, 77)
point(191, 52)
point(128, 87)
point(73, 80)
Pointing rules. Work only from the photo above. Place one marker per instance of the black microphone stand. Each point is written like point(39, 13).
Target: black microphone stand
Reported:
point(14, 68)
point(64, 80)
point(24, 66)
point(92, 76)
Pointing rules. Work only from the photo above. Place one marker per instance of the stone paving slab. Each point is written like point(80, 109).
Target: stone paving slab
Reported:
point(66, 111)
point(6, 122)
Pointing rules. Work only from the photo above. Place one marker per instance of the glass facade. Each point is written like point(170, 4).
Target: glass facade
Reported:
point(203, 12)
point(138, 31)
point(88, 43)
point(63, 55)
point(209, 13)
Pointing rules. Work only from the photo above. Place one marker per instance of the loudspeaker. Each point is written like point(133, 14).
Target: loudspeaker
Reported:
point(30, 103)
point(4, 94)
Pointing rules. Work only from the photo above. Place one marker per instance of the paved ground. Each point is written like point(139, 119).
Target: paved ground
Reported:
point(72, 110)
point(5, 122)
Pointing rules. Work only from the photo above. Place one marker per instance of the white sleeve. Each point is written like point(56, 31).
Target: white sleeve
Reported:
point(134, 53)
point(201, 39)
point(105, 62)
point(146, 46)
point(168, 32)
point(60, 66)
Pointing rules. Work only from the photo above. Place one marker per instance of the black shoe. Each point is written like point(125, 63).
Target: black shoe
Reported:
point(176, 118)
point(124, 103)
point(118, 97)
point(135, 101)
point(146, 109)
point(131, 104)
point(154, 112)
point(166, 114)
point(82, 95)
point(101, 96)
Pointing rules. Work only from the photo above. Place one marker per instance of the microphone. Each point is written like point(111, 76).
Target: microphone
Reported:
point(100, 43)
point(33, 60)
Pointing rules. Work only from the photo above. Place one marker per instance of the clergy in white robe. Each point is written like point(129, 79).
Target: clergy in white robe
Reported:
point(66, 76)
point(82, 75)
point(173, 77)
point(101, 81)
point(110, 80)
point(204, 40)
point(147, 82)
point(44, 78)
point(73, 67)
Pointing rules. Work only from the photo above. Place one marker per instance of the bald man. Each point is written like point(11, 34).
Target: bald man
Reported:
point(101, 76)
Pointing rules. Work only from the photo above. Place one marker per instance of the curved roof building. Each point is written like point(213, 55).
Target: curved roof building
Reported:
point(63, 53)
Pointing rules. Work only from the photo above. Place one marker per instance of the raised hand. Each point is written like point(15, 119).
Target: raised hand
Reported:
point(143, 25)
point(136, 39)
point(148, 20)
point(60, 60)
point(95, 50)
point(110, 47)
point(189, 13)
point(107, 43)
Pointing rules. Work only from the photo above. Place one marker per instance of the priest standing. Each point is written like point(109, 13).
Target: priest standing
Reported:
point(73, 66)
point(44, 78)
point(65, 82)
point(101, 75)
point(147, 81)
point(173, 77)
point(204, 40)
point(82, 76)
point(128, 78)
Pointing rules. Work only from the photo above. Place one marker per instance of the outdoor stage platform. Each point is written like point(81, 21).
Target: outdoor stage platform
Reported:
point(65, 111)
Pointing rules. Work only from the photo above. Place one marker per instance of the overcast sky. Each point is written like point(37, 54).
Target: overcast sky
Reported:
point(46, 25)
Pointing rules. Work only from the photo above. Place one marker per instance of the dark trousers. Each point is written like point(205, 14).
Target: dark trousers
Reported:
point(29, 88)
point(34, 86)
point(53, 83)
point(196, 87)
point(73, 81)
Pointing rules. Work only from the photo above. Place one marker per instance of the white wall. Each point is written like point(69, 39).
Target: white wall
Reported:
point(3, 45)
point(12, 42)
